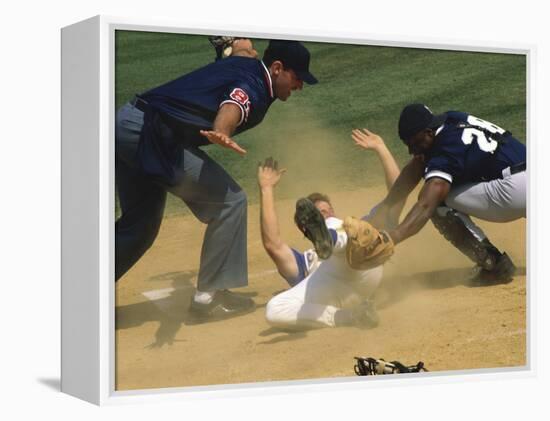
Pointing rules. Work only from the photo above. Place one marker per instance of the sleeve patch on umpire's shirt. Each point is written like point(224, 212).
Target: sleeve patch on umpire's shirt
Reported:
point(241, 98)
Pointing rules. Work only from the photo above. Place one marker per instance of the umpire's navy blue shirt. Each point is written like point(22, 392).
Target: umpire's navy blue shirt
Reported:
point(467, 155)
point(194, 99)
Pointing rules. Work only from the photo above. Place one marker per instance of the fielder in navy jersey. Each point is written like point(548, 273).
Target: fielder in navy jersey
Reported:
point(471, 167)
point(465, 151)
point(159, 140)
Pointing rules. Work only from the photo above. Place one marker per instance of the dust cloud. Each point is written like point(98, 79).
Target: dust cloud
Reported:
point(317, 158)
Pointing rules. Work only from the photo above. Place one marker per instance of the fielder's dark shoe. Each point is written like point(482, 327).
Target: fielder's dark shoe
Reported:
point(364, 315)
point(502, 273)
point(225, 304)
point(310, 221)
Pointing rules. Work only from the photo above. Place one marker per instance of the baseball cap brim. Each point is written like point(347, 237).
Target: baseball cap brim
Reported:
point(307, 77)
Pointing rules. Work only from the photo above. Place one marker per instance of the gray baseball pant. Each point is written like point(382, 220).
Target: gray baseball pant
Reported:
point(205, 187)
point(500, 200)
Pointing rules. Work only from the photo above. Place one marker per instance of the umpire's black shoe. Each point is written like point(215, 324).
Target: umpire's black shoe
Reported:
point(365, 316)
point(310, 221)
point(225, 304)
point(502, 273)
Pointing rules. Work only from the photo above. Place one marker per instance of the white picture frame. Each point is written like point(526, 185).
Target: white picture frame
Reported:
point(88, 287)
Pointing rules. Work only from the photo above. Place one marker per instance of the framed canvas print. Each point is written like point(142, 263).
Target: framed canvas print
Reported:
point(247, 209)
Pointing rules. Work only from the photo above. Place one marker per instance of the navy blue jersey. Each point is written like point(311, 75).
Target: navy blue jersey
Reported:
point(470, 154)
point(193, 100)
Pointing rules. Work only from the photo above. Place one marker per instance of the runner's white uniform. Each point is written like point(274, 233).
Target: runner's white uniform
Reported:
point(329, 286)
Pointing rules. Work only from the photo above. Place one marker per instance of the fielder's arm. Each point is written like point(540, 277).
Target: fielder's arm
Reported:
point(410, 176)
point(432, 194)
point(226, 122)
point(408, 179)
point(371, 141)
point(281, 254)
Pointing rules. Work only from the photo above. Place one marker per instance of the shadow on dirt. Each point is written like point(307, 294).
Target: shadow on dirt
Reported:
point(168, 306)
point(283, 335)
point(397, 288)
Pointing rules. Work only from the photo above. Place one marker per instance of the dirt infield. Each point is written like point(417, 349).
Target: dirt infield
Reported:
point(427, 311)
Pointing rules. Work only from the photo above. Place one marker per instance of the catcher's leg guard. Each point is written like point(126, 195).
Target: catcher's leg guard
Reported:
point(466, 236)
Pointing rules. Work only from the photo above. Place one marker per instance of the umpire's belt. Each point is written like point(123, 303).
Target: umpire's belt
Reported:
point(139, 103)
point(514, 169)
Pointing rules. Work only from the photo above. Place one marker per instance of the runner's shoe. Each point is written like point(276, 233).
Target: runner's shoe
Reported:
point(312, 224)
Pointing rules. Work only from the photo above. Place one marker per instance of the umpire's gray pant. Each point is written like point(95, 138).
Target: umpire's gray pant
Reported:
point(209, 192)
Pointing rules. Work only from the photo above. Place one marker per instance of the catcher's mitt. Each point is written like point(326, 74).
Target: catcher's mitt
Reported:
point(367, 247)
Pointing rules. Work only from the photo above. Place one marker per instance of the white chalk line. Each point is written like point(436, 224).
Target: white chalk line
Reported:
point(159, 294)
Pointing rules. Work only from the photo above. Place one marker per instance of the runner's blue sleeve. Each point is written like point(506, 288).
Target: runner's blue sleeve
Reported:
point(302, 268)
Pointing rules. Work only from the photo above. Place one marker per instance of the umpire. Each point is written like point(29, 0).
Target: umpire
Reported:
point(159, 140)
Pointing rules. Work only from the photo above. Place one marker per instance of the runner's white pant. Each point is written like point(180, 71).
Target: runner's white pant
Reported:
point(332, 286)
point(313, 302)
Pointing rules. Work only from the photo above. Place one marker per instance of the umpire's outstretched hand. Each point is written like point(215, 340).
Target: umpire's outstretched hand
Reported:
point(222, 140)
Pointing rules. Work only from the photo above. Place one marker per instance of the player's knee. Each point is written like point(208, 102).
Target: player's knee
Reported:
point(276, 311)
point(271, 313)
point(236, 203)
point(282, 310)
point(234, 208)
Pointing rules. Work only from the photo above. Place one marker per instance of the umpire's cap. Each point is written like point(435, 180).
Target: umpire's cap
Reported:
point(293, 55)
point(417, 117)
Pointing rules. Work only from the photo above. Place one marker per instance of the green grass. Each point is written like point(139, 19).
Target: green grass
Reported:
point(359, 86)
